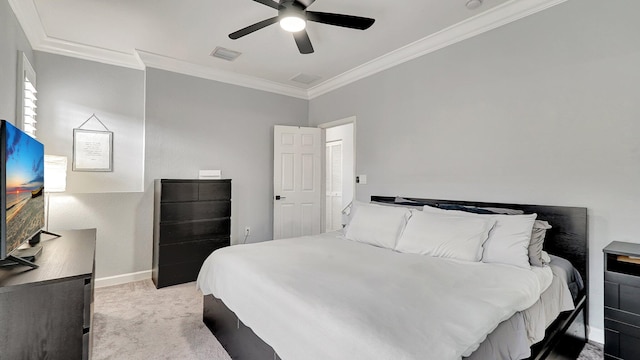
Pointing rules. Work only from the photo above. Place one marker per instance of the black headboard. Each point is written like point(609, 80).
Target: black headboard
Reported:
point(568, 237)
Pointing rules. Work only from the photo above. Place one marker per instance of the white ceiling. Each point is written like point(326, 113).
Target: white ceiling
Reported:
point(179, 35)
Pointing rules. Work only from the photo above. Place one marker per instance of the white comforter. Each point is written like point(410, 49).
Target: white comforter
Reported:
point(325, 297)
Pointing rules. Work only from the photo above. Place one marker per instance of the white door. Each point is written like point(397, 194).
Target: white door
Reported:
point(333, 185)
point(296, 181)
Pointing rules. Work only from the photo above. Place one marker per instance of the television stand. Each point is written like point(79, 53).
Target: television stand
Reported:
point(36, 238)
point(47, 312)
point(24, 257)
point(49, 233)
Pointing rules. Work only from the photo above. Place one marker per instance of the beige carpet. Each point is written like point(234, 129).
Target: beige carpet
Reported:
point(137, 321)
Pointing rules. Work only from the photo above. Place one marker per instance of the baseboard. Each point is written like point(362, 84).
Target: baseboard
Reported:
point(122, 279)
point(596, 335)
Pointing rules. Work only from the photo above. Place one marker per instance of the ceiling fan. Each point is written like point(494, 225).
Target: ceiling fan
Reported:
point(293, 17)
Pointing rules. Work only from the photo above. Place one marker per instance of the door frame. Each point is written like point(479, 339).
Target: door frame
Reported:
point(323, 175)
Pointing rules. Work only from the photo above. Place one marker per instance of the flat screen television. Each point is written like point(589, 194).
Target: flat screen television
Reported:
point(21, 189)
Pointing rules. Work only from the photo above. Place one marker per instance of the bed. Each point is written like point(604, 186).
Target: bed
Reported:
point(320, 321)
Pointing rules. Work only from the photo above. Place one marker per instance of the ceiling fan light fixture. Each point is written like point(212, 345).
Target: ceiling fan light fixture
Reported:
point(292, 23)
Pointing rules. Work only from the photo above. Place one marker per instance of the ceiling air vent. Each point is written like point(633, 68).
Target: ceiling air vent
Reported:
point(225, 54)
point(306, 78)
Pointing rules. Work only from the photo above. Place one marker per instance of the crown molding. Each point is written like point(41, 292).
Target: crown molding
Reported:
point(205, 72)
point(500, 15)
point(29, 20)
point(92, 53)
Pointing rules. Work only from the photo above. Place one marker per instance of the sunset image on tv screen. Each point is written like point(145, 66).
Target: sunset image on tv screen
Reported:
point(25, 186)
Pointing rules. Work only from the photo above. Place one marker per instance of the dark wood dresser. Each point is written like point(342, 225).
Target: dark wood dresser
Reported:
point(192, 218)
point(46, 313)
point(622, 301)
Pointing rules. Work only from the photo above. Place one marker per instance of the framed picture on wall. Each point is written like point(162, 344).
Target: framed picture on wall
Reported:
point(92, 150)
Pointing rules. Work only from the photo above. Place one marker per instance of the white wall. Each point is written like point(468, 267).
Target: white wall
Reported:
point(12, 40)
point(541, 111)
point(345, 133)
point(70, 91)
point(115, 215)
point(122, 246)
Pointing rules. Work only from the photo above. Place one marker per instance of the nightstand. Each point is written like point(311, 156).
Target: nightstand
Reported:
point(622, 301)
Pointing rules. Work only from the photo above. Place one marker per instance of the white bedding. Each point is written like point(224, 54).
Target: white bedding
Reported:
point(556, 299)
point(512, 339)
point(325, 297)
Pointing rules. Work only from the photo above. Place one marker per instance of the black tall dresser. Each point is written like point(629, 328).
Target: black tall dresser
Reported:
point(622, 301)
point(192, 218)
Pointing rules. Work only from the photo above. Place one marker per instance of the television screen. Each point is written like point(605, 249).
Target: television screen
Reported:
point(23, 180)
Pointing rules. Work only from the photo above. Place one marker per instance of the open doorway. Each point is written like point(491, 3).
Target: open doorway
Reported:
point(339, 167)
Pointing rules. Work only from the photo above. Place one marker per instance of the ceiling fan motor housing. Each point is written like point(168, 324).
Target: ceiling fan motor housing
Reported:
point(291, 8)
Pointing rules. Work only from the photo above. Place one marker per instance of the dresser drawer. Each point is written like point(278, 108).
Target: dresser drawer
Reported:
point(621, 340)
point(611, 294)
point(622, 316)
point(622, 296)
point(194, 230)
point(194, 251)
point(86, 346)
point(179, 191)
point(214, 190)
point(181, 211)
point(177, 273)
point(88, 302)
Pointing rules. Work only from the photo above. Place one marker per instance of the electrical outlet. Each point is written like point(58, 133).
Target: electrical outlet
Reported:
point(247, 231)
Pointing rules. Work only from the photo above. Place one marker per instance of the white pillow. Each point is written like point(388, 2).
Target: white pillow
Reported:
point(508, 241)
point(377, 225)
point(350, 211)
point(445, 235)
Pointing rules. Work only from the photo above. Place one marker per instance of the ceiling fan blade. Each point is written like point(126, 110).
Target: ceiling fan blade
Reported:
point(305, 3)
point(349, 21)
point(269, 3)
point(303, 42)
point(251, 28)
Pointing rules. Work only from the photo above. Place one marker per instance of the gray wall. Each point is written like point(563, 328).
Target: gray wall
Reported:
point(195, 124)
point(12, 40)
point(190, 124)
point(541, 111)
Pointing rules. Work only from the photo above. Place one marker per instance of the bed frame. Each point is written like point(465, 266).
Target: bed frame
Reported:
point(564, 338)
